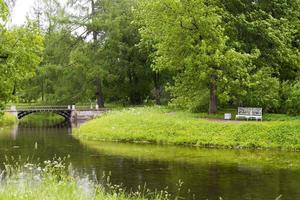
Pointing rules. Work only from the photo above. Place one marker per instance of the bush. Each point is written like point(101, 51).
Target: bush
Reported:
point(293, 101)
point(189, 93)
point(263, 91)
point(7, 119)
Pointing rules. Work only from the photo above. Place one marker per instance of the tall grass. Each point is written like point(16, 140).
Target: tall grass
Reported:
point(34, 182)
point(164, 126)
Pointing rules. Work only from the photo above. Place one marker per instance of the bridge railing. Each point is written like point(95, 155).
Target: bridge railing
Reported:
point(54, 107)
point(43, 108)
point(90, 108)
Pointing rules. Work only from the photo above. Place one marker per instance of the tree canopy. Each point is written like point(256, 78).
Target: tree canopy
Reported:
point(194, 54)
point(20, 53)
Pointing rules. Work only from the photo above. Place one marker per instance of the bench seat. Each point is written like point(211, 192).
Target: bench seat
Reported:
point(249, 113)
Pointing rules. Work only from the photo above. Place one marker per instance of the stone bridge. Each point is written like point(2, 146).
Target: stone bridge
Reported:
point(69, 113)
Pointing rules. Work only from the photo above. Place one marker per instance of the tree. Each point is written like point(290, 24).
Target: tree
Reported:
point(190, 39)
point(21, 49)
point(51, 81)
point(272, 27)
point(118, 64)
point(125, 61)
point(85, 18)
point(24, 48)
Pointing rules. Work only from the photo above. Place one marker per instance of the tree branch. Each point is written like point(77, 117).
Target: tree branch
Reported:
point(4, 57)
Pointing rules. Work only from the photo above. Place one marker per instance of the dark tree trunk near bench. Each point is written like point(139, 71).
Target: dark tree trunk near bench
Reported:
point(213, 102)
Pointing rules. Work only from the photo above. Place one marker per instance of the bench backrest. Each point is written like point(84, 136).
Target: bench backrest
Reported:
point(250, 111)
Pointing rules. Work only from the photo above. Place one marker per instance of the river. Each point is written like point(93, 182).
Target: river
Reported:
point(203, 173)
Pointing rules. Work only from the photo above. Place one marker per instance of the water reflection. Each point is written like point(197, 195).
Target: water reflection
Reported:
point(207, 173)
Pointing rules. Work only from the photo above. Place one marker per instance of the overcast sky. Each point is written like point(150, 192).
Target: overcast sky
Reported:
point(20, 11)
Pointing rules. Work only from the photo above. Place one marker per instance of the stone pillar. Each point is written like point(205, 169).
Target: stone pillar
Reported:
point(73, 114)
point(97, 107)
point(13, 111)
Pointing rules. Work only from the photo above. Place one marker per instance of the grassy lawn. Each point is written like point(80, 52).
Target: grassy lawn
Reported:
point(163, 126)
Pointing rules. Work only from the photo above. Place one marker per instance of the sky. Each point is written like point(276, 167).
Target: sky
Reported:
point(20, 11)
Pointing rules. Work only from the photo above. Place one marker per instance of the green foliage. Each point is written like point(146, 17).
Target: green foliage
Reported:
point(106, 56)
point(293, 101)
point(189, 93)
point(3, 11)
point(247, 46)
point(163, 126)
point(271, 27)
point(263, 91)
point(7, 120)
point(206, 54)
point(191, 40)
point(21, 49)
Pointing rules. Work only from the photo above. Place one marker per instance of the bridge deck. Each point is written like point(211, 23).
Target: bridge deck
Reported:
point(53, 108)
point(68, 112)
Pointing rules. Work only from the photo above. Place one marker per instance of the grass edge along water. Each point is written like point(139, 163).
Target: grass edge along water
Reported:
point(162, 125)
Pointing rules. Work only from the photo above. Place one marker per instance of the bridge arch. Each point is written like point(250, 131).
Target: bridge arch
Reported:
point(66, 114)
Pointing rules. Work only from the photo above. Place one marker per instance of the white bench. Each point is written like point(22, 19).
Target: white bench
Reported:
point(249, 113)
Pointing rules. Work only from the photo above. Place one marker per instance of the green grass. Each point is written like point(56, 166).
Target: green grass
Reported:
point(7, 120)
point(163, 126)
point(32, 182)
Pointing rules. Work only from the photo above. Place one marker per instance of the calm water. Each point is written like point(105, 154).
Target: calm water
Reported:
point(205, 173)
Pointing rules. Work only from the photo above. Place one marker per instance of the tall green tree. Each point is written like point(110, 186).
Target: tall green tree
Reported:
point(127, 63)
point(272, 27)
point(20, 50)
point(119, 66)
point(190, 39)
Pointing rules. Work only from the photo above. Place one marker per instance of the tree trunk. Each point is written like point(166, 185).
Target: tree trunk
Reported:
point(93, 29)
point(157, 88)
point(213, 102)
point(135, 96)
point(99, 93)
point(14, 92)
point(42, 87)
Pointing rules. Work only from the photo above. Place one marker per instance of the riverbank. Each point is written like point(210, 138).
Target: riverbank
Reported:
point(7, 120)
point(267, 159)
point(160, 125)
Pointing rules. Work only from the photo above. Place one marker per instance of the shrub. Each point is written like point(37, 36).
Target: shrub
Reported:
point(293, 101)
